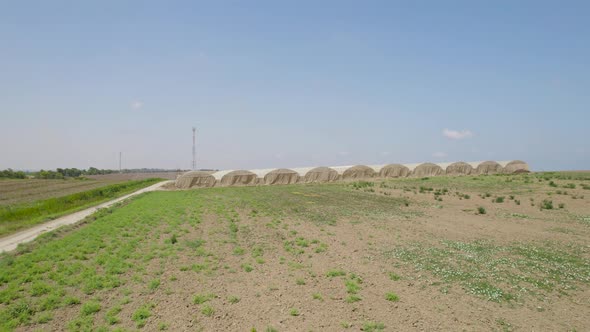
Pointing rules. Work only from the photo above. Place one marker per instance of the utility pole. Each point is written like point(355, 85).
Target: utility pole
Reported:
point(120, 153)
point(194, 150)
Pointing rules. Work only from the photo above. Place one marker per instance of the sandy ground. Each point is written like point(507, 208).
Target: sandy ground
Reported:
point(12, 241)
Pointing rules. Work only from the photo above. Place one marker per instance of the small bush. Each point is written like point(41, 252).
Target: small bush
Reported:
point(391, 297)
point(481, 210)
point(71, 300)
point(90, 308)
point(208, 311)
point(154, 284)
point(202, 298)
point(561, 205)
point(499, 199)
point(141, 315)
point(353, 298)
point(394, 276)
point(547, 204)
point(362, 184)
point(373, 326)
point(335, 273)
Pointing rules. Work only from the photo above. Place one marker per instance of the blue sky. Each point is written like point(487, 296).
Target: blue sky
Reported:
point(293, 83)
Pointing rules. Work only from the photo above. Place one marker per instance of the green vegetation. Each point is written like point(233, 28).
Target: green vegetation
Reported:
point(141, 315)
point(111, 316)
point(547, 204)
point(481, 210)
point(335, 273)
point(154, 284)
point(10, 174)
point(202, 298)
point(17, 217)
point(393, 276)
point(59, 173)
point(373, 326)
point(362, 185)
point(391, 297)
point(499, 199)
point(207, 310)
point(90, 308)
point(493, 271)
point(353, 298)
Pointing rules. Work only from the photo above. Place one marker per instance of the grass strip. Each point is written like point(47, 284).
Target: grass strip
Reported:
point(20, 216)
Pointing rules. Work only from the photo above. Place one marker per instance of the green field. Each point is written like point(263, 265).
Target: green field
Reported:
point(15, 217)
point(358, 256)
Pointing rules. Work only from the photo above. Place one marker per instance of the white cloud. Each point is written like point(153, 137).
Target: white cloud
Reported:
point(456, 134)
point(136, 105)
point(385, 153)
point(439, 155)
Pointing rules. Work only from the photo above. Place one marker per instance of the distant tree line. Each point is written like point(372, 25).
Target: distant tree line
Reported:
point(62, 173)
point(10, 174)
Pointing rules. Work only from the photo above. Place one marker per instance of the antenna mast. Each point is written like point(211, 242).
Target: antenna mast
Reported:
point(194, 150)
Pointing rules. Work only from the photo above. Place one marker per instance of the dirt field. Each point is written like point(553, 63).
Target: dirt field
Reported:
point(491, 253)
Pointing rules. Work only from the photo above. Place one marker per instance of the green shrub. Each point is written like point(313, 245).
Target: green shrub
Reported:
point(141, 315)
point(208, 311)
point(90, 308)
point(373, 326)
point(362, 184)
point(547, 204)
point(335, 273)
point(391, 297)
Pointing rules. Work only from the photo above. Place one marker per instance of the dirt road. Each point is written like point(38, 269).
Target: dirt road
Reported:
point(10, 242)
